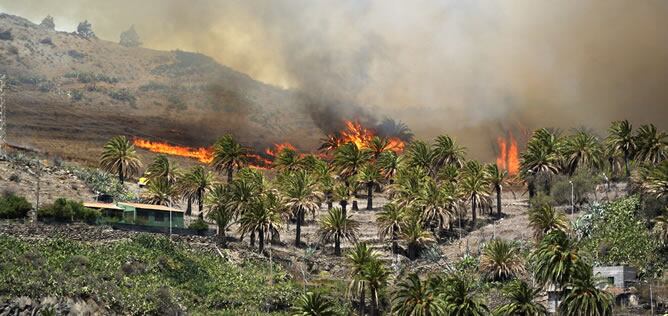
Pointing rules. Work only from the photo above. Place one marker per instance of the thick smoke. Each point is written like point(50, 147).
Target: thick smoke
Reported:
point(461, 67)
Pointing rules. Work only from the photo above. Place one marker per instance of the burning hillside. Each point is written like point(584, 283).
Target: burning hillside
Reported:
point(354, 133)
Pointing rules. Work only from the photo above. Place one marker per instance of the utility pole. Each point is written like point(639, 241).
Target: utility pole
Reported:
point(572, 197)
point(3, 121)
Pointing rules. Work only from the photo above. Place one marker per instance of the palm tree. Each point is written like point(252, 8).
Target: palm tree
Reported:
point(341, 193)
point(375, 274)
point(161, 167)
point(313, 304)
point(358, 258)
point(497, 178)
point(228, 155)
point(582, 150)
point(370, 176)
point(621, 141)
point(653, 180)
point(377, 146)
point(390, 221)
point(243, 197)
point(321, 172)
point(544, 219)
point(652, 145)
point(219, 211)
point(119, 157)
point(195, 184)
point(416, 297)
point(447, 153)
point(460, 296)
point(389, 164)
point(473, 186)
point(556, 259)
point(335, 226)
point(420, 155)
point(286, 159)
point(301, 195)
point(542, 156)
point(584, 298)
point(348, 159)
point(160, 192)
point(501, 260)
point(408, 185)
point(264, 217)
point(522, 301)
point(435, 204)
point(391, 128)
point(415, 236)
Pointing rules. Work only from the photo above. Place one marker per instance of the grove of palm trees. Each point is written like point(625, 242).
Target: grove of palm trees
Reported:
point(437, 233)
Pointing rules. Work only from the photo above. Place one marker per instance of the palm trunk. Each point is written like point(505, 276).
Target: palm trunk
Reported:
point(200, 202)
point(337, 245)
point(230, 169)
point(344, 205)
point(626, 164)
point(189, 209)
point(298, 231)
point(498, 200)
point(374, 301)
point(330, 202)
point(221, 233)
point(355, 207)
point(362, 300)
point(369, 196)
point(531, 186)
point(260, 235)
point(412, 251)
point(121, 176)
point(395, 245)
point(473, 211)
point(252, 238)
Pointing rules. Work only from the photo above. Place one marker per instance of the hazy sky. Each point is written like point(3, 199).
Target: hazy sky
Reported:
point(437, 65)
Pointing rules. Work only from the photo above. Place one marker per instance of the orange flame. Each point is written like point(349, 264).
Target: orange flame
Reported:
point(362, 137)
point(202, 154)
point(354, 133)
point(508, 157)
point(278, 148)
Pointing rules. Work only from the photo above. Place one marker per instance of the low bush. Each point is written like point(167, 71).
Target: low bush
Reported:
point(12, 206)
point(64, 210)
point(123, 95)
point(199, 225)
point(583, 186)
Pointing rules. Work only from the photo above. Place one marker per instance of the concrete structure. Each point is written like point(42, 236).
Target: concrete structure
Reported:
point(151, 215)
point(617, 276)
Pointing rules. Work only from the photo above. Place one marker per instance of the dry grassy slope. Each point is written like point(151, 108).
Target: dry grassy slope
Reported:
point(180, 97)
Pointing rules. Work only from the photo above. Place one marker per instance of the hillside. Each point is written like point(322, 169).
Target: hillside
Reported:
point(69, 93)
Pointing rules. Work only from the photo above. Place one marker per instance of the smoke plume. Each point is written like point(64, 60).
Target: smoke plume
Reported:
point(468, 68)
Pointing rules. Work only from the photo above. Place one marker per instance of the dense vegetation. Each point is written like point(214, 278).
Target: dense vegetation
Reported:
point(145, 275)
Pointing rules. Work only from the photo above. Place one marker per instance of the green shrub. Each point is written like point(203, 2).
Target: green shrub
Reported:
point(64, 210)
point(12, 206)
point(583, 185)
point(541, 200)
point(123, 95)
point(199, 225)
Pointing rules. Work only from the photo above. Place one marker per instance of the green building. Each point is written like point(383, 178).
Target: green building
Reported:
point(151, 215)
